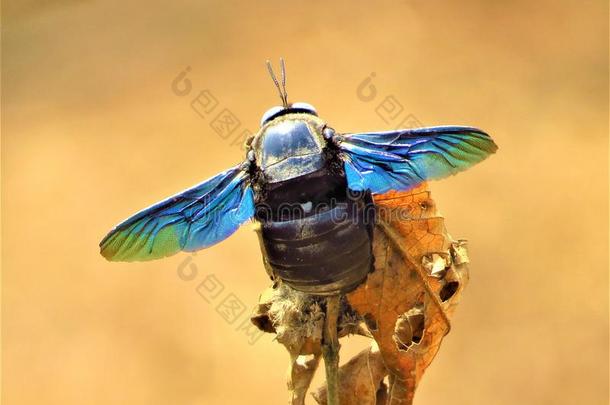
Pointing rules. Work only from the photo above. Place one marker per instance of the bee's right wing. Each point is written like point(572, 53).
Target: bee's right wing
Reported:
point(191, 220)
point(401, 159)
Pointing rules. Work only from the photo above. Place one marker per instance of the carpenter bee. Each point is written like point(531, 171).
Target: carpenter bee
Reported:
point(310, 189)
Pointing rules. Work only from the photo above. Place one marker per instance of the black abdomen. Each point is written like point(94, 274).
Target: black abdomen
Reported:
point(325, 251)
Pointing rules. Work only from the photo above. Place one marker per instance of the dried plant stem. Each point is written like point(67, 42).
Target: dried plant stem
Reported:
point(330, 349)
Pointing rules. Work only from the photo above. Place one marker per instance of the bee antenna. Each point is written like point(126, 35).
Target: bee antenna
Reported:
point(283, 68)
point(281, 89)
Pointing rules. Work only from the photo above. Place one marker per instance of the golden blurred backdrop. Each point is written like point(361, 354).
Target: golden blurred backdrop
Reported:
point(92, 131)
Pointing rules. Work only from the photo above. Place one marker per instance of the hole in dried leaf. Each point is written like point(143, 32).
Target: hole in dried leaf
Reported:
point(417, 325)
point(448, 290)
point(409, 328)
point(427, 204)
point(370, 322)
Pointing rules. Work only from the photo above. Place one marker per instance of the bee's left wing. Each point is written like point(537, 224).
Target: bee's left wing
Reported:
point(401, 159)
point(191, 220)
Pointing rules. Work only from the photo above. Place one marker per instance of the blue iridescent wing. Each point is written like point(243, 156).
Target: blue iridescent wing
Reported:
point(191, 220)
point(401, 159)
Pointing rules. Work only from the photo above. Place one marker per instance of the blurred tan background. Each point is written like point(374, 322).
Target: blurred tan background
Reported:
point(92, 132)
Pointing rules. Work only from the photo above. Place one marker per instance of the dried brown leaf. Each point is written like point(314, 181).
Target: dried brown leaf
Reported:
point(359, 379)
point(406, 302)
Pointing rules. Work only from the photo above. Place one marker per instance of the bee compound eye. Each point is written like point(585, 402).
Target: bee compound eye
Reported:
point(270, 113)
point(304, 106)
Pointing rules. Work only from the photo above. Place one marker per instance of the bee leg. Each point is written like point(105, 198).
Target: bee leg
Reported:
point(330, 349)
